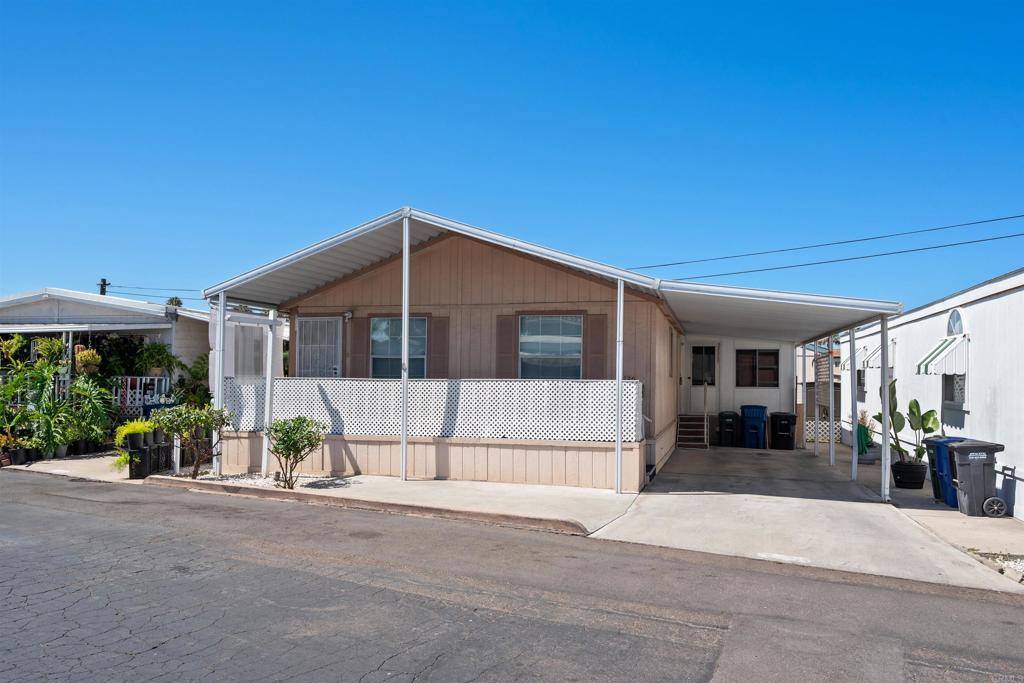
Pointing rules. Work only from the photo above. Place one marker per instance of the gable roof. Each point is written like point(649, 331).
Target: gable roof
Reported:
point(703, 308)
point(103, 300)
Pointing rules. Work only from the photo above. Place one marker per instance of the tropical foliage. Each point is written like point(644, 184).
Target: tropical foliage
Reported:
point(922, 424)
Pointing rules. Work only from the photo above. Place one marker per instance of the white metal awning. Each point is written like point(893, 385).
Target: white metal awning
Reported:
point(699, 308)
point(948, 357)
point(861, 351)
point(48, 328)
point(874, 359)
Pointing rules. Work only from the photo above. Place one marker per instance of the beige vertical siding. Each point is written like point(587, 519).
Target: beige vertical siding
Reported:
point(472, 283)
point(560, 463)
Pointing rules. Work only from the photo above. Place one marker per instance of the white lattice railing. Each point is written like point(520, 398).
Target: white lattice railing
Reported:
point(819, 431)
point(130, 392)
point(549, 410)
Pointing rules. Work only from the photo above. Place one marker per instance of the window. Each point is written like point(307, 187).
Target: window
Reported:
point(861, 389)
point(551, 346)
point(757, 368)
point(318, 347)
point(954, 324)
point(249, 351)
point(954, 390)
point(703, 366)
point(386, 347)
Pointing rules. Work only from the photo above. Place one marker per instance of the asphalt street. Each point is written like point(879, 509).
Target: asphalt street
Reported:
point(112, 582)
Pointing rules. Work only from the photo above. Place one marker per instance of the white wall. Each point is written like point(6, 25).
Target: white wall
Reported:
point(994, 318)
point(728, 395)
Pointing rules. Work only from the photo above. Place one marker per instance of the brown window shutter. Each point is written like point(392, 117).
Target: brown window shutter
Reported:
point(358, 348)
point(437, 347)
point(595, 347)
point(506, 345)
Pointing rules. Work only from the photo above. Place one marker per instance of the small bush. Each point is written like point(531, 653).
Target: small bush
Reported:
point(291, 442)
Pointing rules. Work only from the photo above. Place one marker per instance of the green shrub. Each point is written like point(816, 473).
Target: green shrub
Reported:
point(291, 442)
point(193, 426)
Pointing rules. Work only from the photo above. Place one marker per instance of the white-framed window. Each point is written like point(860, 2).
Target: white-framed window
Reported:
point(551, 346)
point(386, 347)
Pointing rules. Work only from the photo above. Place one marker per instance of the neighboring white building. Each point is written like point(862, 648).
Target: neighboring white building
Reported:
point(960, 355)
point(80, 317)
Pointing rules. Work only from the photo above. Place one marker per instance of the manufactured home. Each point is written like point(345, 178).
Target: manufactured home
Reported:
point(436, 349)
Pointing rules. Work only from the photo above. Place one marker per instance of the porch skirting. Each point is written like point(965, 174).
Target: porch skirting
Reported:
point(589, 464)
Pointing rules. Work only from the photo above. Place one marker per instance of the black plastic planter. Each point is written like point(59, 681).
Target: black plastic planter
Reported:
point(138, 464)
point(134, 442)
point(18, 456)
point(909, 475)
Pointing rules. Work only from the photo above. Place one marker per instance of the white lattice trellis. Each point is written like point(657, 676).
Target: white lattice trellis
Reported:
point(555, 410)
point(819, 431)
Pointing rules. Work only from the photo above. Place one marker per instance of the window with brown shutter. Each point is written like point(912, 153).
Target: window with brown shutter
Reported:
point(506, 347)
point(437, 347)
point(595, 346)
point(359, 348)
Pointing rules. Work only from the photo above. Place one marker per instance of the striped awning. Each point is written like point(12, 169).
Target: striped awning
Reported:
point(845, 365)
point(948, 357)
point(874, 359)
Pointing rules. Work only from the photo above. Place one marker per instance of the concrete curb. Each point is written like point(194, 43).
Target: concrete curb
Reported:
point(559, 526)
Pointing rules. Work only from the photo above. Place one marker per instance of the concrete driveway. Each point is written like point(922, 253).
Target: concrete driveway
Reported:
point(790, 506)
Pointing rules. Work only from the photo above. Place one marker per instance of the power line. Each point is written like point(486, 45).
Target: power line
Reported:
point(832, 244)
point(119, 291)
point(156, 289)
point(855, 258)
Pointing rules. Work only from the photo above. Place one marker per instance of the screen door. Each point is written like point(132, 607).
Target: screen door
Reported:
point(318, 347)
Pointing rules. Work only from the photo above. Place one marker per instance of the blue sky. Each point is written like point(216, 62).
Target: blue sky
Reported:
point(174, 144)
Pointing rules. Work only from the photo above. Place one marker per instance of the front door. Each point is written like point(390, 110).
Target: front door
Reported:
point(318, 347)
point(702, 369)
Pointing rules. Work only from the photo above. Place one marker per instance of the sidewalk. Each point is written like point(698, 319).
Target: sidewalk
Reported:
point(564, 509)
point(98, 467)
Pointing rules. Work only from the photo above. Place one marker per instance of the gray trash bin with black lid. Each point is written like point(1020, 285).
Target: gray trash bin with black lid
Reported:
point(976, 478)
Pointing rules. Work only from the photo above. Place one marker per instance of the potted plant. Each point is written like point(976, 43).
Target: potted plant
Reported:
point(87, 361)
point(131, 457)
point(52, 419)
point(909, 472)
point(155, 358)
point(93, 409)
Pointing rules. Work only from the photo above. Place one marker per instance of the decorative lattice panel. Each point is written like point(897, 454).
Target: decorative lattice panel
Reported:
point(555, 410)
point(244, 399)
point(819, 431)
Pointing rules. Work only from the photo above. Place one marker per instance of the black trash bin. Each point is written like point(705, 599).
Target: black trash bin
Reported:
point(783, 431)
point(976, 478)
point(728, 428)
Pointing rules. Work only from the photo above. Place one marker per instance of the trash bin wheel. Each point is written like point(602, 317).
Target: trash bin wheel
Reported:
point(994, 507)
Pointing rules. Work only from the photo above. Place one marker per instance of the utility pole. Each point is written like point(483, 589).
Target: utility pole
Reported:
point(103, 286)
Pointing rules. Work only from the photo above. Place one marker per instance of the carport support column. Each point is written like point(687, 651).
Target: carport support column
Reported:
point(817, 411)
point(218, 388)
point(884, 371)
point(853, 404)
point(268, 391)
point(404, 458)
point(619, 314)
point(831, 407)
point(803, 380)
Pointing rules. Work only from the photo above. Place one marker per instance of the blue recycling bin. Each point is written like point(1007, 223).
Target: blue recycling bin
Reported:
point(944, 469)
point(753, 425)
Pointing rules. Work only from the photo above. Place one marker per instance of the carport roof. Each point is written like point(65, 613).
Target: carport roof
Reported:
point(700, 308)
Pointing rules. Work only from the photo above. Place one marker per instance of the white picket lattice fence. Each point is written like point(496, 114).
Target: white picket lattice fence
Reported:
point(819, 431)
point(548, 410)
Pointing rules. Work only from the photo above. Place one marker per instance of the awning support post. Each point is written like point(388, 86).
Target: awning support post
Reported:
point(218, 396)
point(853, 404)
point(803, 381)
point(831, 407)
point(619, 313)
point(817, 411)
point(404, 411)
point(268, 391)
point(884, 371)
